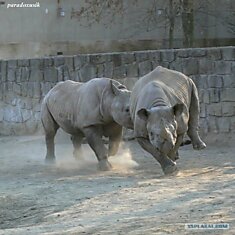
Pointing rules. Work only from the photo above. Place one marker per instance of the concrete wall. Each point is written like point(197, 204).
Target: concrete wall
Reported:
point(23, 83)
point(139, 25)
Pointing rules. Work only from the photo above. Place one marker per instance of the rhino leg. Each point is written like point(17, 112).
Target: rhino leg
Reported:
point(50, 129)
point(174, 154)
point(77, 142)
point(168, 166)
point(114, 142)
point(193, 124)
point(114, 132)
point(94, 139)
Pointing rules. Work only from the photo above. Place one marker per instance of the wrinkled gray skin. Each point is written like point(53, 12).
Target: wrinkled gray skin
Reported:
point(164, 105)
point(94, 109)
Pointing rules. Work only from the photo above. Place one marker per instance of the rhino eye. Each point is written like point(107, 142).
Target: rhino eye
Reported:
point(127, 110)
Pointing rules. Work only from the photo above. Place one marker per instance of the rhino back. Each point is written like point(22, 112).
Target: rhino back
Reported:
point(75, 105)
point(176, 87)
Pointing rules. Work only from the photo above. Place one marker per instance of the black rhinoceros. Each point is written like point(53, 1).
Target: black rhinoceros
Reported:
point(164, 105)
point(99, 107)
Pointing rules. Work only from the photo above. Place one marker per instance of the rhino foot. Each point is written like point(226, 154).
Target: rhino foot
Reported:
point(50, 160)
point(169, 170)
point(174, 156)
point(199, 145)
point(104, 165)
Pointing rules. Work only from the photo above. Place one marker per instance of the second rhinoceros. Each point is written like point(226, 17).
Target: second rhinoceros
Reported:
point(99, 107)
point(164, 105)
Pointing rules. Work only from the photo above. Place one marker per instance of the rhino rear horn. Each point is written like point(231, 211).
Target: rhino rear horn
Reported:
point(143, 114)
point(178, 109)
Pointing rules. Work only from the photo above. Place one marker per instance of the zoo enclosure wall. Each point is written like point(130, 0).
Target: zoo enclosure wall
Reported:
point(24, 83)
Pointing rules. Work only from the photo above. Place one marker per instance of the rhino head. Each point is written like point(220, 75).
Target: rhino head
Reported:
point(162, 126)
point(120, 107)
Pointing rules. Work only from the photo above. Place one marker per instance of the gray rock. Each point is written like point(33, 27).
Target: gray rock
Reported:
point(119, 72)
point(59, 61)
point(12, 64)
point(228, 81)
point(26, 115)
point(117, 60)
point(214, 95)
point(228, 109)
point(108, 69)
point(12, 114)
point(3, 76)
point(48, 62)
point(228, 53)
point(132, 70)
point(205, 66)
point(11, 75)
point(128, 58)
point(141, 56)
point(215, 81)
point(168, 55)
point(197, 52)
point(223, 124)
point(23, 63)
point(36, 63)
point(214, 109)
point(222, 67)
point(214, 54)
point(50, 75)
point(190, 66)
point(228, 94)
point(80, 61)
point(87, 72)
point(36, 75)
point(144, 68)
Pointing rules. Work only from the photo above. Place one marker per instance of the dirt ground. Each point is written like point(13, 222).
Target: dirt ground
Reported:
point(73, 197)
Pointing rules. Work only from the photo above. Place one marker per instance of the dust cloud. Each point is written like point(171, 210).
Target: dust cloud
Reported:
point(121, 162)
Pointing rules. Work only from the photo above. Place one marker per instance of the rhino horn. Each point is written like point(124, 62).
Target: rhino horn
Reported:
point(143, 114)
point(164, 132)
point(178, 109)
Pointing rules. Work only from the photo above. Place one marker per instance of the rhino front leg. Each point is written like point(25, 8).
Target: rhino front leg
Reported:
point(94, 139)
point(77, 143)
point(114, 132)
point(193, 124)
point(168, 166)
point(114, 142)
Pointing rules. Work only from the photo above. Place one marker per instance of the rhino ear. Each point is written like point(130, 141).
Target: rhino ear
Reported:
point(178, 109)
point(143, 114)
point(115, 90)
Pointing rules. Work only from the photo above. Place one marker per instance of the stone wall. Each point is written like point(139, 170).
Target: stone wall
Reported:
point(23, 83)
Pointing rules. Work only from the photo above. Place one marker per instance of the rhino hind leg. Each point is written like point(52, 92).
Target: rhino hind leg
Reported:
point(193, 124)
point(93, 135)
point(77, 143)
point(50, 129)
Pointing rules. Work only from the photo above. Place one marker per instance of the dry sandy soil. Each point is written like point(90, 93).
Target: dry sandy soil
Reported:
point(73, 197)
